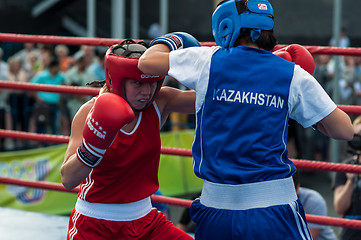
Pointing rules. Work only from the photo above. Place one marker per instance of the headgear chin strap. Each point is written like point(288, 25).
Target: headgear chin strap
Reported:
point(121, 62)
point(231, 16)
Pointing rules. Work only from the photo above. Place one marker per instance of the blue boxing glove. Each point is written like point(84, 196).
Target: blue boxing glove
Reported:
point(176, 40)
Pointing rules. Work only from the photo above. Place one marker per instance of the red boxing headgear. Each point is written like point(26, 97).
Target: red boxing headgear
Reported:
point(121, 62)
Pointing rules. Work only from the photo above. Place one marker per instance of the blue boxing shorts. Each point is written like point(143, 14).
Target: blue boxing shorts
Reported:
point(257, 211)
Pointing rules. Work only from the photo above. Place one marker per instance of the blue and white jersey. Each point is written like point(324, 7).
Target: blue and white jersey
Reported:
point(245, 97)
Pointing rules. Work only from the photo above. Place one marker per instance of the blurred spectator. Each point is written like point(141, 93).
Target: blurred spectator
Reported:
point(43, 47)
point(313, 203)
point(3, 66)
point(66, 62)
point(357, 84)
point(18, 100)
point(46, 111)
point(97, 68)
point(32, 64)
point(357, 61)
point(22, 55)
point(62, 54)
point(345, 83)
point(46, 56)
point(17, 97)
point(88, 52)
point(344, 39)
point(347, 186)
point(78, 75)
point(3, 98)
point(154, 30)
point(347, 80)
point(331, 73)
point(322, 73)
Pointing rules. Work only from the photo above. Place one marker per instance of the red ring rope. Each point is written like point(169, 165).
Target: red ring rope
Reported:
point(332, 221)
point(299, 163)
point(49, 88)
point(27, 38)
point(94, 91)
point(10, 37)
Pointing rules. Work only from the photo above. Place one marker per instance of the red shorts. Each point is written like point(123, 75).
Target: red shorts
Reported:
point(152, 226)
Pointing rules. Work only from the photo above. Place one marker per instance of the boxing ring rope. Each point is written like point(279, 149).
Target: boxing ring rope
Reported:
point(308, 164)
point(10, 37)
point(332, 221)
point(94, 91)
point(299, 163)
point(49, 88)
point(59, 187)
point(27, 38)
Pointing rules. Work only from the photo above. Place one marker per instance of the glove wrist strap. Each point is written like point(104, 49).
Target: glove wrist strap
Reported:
point(88, 155)
point(172, 41)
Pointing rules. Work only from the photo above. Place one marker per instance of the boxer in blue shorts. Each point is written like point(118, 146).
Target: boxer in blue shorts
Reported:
point(245, 97)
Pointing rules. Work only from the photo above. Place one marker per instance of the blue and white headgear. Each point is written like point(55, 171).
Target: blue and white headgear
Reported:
point(231, 16)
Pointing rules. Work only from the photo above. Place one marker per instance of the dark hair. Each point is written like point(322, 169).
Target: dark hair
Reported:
point(54, 63)
point(96, 83)
point(266, 41)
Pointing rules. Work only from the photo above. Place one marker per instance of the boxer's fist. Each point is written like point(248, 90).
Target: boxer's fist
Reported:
point(299, 55)
point(177, 40)
point(108, 115)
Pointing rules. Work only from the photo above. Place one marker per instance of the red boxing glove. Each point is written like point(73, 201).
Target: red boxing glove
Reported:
point(108, 115)
point(299, 55)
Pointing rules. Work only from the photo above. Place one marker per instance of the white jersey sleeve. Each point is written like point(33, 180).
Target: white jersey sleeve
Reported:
point(191, 67)
point(308, 102)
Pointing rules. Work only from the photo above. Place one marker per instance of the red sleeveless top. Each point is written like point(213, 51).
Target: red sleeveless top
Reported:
point(129, 169)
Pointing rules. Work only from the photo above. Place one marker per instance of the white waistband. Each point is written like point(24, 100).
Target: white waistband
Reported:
point(248, 196)
point(114, 212)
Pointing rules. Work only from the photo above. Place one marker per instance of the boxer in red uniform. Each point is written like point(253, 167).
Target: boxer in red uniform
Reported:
point(114, 152)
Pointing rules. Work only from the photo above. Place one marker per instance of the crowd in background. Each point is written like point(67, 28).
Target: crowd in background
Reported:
point(52, 113)
point(312, 144)
point(44, 112)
